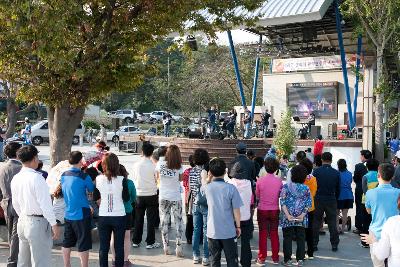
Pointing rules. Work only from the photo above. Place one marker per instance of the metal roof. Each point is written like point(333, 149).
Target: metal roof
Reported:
point(278, 12)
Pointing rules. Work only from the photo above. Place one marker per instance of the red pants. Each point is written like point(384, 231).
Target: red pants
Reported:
point(268, 222)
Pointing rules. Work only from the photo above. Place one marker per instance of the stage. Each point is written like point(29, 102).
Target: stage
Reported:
point(225, 149)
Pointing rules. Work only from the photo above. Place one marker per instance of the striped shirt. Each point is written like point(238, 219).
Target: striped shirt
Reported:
point(195, 180)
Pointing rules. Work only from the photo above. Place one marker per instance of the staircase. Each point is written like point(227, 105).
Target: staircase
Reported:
point(224, 149)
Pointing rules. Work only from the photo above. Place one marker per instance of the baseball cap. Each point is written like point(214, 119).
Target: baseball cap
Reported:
point(241, 147)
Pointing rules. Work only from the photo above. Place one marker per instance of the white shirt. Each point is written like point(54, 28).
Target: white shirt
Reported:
point(30, 195)
point(111, 203)
point(143, 177)
point(244, 188)
point(389, 244)
point(169, 181)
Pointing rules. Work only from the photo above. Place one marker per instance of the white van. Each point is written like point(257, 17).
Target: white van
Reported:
point(40, 133)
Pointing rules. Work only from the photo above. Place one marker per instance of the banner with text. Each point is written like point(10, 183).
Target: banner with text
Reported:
point(310, 63)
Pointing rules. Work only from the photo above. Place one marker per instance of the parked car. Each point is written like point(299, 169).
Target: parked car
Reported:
point(40, 133)
point(126, 115)
point(158, 116)
point(124, 130)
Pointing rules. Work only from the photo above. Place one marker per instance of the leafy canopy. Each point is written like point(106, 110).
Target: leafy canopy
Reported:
point(69, 53)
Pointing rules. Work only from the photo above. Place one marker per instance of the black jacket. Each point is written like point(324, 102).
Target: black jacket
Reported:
point(247, 165)
point(328, 183)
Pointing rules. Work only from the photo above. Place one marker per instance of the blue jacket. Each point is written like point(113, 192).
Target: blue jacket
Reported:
point(328, 183)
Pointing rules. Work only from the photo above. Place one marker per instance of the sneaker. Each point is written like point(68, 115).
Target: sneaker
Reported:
point(334, 249)
point(205, 262)
point(287, 263)
point(196, 259)
point(310, 258)
point(298, 263)
point(135, 245)
point(275, 262)
point(357, 232)
point(260, 262)
point(179, 251)
point(167, 250)
point(128, 263)
point(154, 245)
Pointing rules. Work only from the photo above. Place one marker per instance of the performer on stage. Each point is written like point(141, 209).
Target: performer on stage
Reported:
point(212, 116)
point(311, 121)
point(265, 119)
point(167, 120)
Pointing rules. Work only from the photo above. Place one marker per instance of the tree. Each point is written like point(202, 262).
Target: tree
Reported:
point(380, 20)
point(73, 52)
point(285, 137)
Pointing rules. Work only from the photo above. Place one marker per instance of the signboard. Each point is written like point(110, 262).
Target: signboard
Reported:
point(318, 98)
point(310, 63)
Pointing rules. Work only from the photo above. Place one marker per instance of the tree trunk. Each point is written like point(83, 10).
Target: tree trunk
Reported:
point(63, 122)
point(379, 99)
point(11, 116)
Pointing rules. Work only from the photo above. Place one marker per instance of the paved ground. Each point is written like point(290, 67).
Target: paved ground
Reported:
point(349, 254)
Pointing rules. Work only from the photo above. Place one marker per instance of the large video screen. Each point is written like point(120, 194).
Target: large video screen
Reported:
point(317, 98)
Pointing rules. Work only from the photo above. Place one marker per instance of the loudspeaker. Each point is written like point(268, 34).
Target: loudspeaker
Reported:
point(115, 123)
point(359, 134)
point(315, 131)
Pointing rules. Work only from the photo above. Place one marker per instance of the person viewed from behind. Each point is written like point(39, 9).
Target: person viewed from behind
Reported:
point(328, 191)
point(32, 203)
point(299, 157)
point(147, 199)
point(199, 210)
point(129, 218)
point(189, 217)
point(223, 223)
point(381, 203)
point(311, 183)
point(396, 178)
point(243, 185)
point(261, 169)
point(369, 181)
point(169, 172)
point(318, 146)
point(75, 184)
point(359, 171)
point(345, 200)
point(283, 166)
point(394, 145)
point(268, 190)
point(388, 246)
point(40, 169)
point(317, 161)
point(247, 165)
point(296, 201)
point(309, 154)
point(7, 173)
point(114, 192)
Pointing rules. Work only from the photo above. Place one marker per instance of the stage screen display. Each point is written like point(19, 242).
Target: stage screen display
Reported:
point(320, 98)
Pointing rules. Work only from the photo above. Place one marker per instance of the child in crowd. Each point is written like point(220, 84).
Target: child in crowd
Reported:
point(295, 202)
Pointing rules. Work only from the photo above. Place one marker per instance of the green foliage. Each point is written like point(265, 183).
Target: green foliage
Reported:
point(285, 137)
point(69, 53)
point(91, 124)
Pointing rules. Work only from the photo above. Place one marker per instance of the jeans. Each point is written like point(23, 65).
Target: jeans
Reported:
point(288, 234)
point(106, 226)
point(310, 235)
point(359, 206)
point(168, 209)
point(148, 205)
point(268, 222)
point(167, 128)
point(245, 249)
point(1, 151)
point(230, 250)
point(329, 208)
point(247, 130)
point(199, 225)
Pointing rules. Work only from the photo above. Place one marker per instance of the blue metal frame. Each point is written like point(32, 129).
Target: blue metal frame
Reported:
point(236, 66)
point(358, 63)
point(344, 65)
point(256, 70)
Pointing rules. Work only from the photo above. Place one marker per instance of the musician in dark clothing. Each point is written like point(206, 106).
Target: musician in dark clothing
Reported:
point(359, 171)
point(265, 119)
point(311, 121)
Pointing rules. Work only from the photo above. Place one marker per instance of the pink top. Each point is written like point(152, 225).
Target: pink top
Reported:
point(267, 191)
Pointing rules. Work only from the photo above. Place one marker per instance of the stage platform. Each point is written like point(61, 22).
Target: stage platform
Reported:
point(225, 149)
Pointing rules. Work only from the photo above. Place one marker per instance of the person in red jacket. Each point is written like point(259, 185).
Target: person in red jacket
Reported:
point(318, 146)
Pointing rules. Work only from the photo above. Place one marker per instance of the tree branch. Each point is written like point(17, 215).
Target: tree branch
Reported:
point(368, 28)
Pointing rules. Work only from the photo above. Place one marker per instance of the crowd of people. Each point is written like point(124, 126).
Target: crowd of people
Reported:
point(219, 202)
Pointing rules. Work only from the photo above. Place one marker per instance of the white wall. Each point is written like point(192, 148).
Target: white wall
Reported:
point(274, 92)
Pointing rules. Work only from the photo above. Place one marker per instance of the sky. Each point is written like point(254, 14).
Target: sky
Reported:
point(238, 37)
